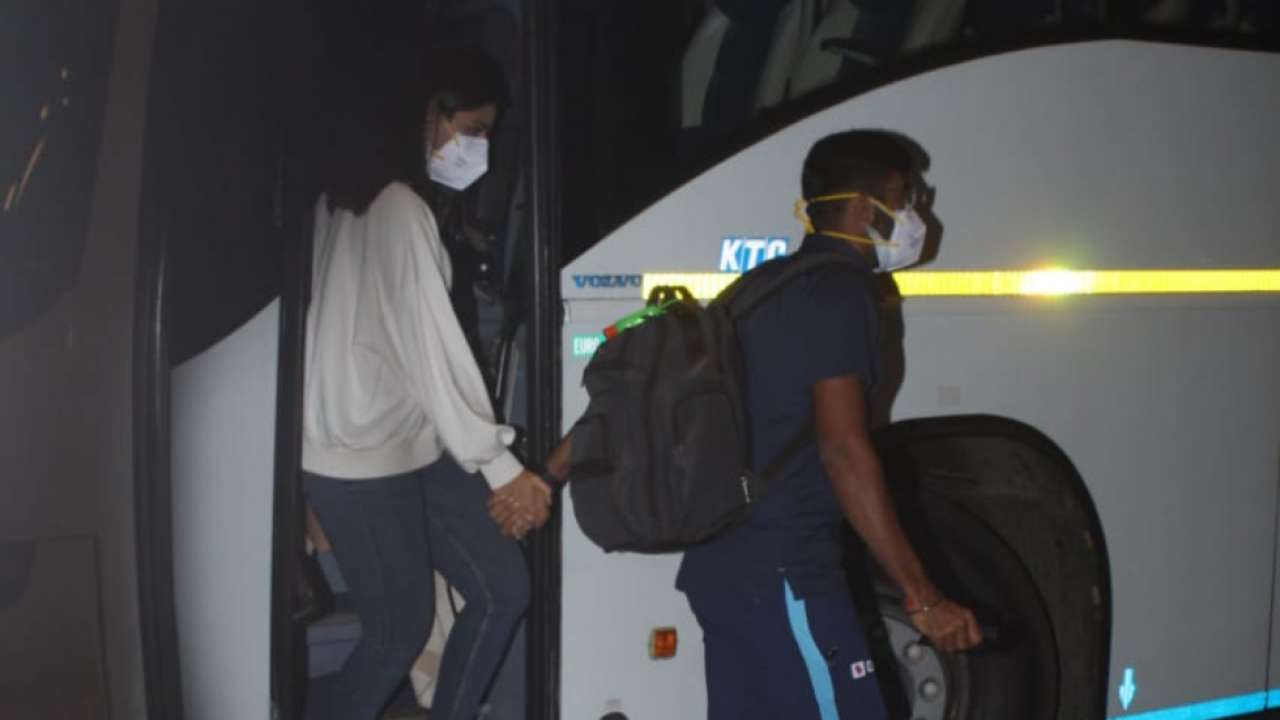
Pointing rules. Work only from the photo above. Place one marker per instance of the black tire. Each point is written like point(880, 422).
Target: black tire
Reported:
point(1014, 674)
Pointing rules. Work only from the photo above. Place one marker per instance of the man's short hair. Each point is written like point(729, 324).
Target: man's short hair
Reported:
point(853, 161)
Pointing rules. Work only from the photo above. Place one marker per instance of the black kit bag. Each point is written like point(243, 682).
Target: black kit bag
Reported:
point(660, 458)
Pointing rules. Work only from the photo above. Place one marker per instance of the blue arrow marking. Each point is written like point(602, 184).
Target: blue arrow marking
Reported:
point(1128, 689)
point(1216, 709)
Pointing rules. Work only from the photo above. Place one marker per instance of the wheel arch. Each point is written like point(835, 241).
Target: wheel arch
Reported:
point(1023, 487)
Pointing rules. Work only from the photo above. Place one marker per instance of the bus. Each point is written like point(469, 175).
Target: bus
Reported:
point(1082, 431)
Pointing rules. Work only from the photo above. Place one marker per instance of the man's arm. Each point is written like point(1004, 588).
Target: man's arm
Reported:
point(558, 462)
point(517, 513)
point(844, 445)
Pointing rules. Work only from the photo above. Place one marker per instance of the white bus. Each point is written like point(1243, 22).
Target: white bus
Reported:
point(1083, 434)
point(1089, 416)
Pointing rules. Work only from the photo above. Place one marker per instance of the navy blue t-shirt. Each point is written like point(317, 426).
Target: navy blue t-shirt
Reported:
point(822, 325)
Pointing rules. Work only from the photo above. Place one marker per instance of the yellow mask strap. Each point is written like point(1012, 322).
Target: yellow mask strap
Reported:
point(801, 211)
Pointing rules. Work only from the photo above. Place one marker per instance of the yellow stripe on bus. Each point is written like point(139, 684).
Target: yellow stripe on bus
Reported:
point(1028, 283)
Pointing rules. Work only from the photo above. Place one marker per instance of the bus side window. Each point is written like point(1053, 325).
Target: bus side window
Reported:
point(52, 98)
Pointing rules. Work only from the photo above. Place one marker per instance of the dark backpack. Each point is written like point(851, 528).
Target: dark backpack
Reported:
point(661, 459)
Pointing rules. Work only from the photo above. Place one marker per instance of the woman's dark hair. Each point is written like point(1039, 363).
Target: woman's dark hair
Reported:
point(473, 80)
point(854, 161)
point(375, 131)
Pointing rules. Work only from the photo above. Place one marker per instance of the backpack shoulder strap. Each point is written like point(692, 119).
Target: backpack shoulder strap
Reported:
point(803, 438)
point(747, 293)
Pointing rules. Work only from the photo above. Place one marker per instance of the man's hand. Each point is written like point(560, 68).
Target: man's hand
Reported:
point(844, 446)
point(521, 505)
point(950, 627)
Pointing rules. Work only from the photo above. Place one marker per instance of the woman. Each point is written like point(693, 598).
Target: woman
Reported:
point(401, 448)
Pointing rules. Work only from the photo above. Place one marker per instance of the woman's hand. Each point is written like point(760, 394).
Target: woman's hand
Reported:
point(521, 505)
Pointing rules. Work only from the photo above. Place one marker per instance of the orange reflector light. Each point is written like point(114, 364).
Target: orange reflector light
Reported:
point(662, 643)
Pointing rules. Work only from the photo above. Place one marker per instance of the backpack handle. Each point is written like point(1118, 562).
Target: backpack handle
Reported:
point(661, 298)
point(665, 294)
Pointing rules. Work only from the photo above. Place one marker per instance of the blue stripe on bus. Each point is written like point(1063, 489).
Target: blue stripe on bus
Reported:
point(823, 691)
point(1211, 709)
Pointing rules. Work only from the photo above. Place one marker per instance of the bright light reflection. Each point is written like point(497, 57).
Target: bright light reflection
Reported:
point(1055, 282)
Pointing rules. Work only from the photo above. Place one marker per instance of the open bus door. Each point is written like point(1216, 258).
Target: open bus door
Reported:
point(217, 361)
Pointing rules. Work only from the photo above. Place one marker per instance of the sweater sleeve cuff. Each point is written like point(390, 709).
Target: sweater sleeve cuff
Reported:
point(501, 470)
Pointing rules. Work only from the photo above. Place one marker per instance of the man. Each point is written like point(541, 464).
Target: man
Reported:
point(781, 631)
point(780, 628)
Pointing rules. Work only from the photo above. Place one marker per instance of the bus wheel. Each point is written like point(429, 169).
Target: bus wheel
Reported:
point(1013, 675)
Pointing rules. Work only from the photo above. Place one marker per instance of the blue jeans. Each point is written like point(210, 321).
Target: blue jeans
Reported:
point(506, 699)
point(389, 536)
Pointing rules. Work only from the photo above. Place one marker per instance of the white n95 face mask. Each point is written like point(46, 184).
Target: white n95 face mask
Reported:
point(460, 162)
point(904, 246)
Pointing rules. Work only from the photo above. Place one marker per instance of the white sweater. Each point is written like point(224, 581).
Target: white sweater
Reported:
point(390, 379)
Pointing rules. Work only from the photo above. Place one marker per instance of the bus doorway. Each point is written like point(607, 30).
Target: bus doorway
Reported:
point(240, 611)
point(487, 231)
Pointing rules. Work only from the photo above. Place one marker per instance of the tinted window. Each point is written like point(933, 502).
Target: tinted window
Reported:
point(653, 92)
point(212, 192)
point(52, 93)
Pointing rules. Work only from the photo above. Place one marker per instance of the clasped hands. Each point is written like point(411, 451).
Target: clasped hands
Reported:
point(521, 505)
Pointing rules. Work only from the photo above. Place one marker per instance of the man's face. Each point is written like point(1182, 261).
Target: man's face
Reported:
point(895, 191)
point(894, 197)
